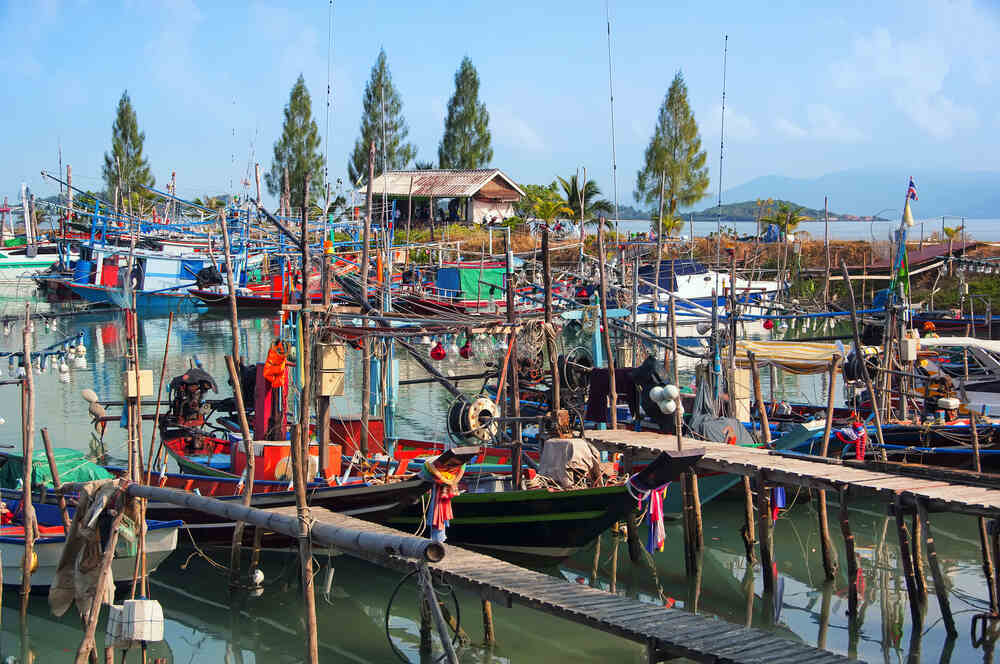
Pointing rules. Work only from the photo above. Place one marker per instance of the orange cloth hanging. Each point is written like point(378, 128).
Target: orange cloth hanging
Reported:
point(274, 366)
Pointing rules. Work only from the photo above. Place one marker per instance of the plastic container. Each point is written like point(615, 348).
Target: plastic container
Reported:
point(142, 620)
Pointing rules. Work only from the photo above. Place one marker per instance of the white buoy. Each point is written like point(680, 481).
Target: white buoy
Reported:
point(89, 395)
point(672, 391)
point(63, 367)
point(80, 363)
point(668, 406)
point(257, 577)
point(2, 421)
point(656, 394)
point(703, 327)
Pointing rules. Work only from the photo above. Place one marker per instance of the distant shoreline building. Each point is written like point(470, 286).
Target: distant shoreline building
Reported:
point(479, 195)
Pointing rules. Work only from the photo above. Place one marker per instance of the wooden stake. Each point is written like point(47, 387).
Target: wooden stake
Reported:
point(939, 581)
point(489, 635)
point(28, 447)
point(159, 396)
point(918, 557)
point(234, 555)
point(906, 559)
point(766, 537)
point(103, 578)
point(826, 544)
point(56, 483)
point(852, 558)
point(605, 328)
point(984, 543)
point(759, 398)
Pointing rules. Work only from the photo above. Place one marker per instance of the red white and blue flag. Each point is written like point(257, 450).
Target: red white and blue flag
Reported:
point(911, 192)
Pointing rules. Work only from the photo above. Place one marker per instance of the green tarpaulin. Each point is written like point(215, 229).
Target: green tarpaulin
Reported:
point(73, 466)
point(471, 288)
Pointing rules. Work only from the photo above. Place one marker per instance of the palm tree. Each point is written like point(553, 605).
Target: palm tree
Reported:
point(593, 206)
point(549, 208)
point(951, 234)
point(672, 224)
point(787, 218)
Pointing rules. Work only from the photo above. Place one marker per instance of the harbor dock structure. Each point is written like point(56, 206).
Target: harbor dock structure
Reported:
point(666, 633)
point(905, 489)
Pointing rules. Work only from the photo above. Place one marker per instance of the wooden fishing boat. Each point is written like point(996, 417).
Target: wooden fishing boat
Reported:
point(161, 540)
point(548, 524)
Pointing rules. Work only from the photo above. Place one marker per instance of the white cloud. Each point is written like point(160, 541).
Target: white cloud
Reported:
point(822, 123)
point(789, 128)
point(508, 126)
point(958, 38)
point(739, 126)
point(826, 123)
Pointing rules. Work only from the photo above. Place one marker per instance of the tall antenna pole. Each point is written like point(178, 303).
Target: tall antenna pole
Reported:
point(722, 145)
point(611, 90)
point(329, 96)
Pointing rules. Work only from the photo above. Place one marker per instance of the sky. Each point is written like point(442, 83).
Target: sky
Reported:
point(811, 88)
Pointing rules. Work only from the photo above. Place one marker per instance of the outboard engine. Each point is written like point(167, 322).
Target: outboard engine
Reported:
point(187, 400)
point(208, 276)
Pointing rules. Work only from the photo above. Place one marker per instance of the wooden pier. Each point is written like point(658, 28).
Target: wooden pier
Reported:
point(942, 491)
point(666, 633)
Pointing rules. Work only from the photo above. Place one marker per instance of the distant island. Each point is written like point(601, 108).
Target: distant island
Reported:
point(748, 211)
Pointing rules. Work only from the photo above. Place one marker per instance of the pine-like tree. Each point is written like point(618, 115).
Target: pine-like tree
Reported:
point(124, 167)
point(675, 162)
point(394, 152)
point(297, 149)
point(466, 140)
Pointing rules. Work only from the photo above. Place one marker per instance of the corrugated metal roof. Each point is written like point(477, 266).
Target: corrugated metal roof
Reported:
point(438, 183)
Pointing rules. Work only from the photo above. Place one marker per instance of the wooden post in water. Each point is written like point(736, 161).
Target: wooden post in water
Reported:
point(984, 543)
point(28, 449)
point(758, 396)
point(56, 482)
point(918, 557)
point(300, 461)
point(766, 537)
point(605, 328)
point(864, 365)
point(852, 558)
point(826, 544)
point(103, 579)
point(489, 633)
point(366, 344)
point(905, 557)
point(940, 589)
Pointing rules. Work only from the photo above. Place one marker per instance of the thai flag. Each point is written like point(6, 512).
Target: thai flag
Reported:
point(911, 192)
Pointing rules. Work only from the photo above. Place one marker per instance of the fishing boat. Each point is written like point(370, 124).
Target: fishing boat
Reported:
point(695, 285)
point(161, 540)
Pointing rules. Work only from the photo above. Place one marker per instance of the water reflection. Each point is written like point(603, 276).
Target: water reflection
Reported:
point(205, 624)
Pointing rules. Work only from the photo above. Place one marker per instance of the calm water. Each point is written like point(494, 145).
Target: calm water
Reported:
point(205, 624)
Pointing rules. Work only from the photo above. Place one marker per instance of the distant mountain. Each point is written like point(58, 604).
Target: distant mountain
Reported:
point(973, 194)
point(747, 211)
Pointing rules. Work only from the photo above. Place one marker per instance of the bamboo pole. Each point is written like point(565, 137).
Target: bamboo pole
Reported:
point(513, 387)
point(826, 544)
point(905, 557)
point(940, 589)
point(28, 444)
point(103, 578)
point(366, 345)
point(864, 365)
point(237, 543)
point(852, 558)
point(766, 537)
point(918, 557)
point(550, 340)
point(300, 460)
point(159, 397)
point(605, 328)
point(984, 543)
point(56, 483)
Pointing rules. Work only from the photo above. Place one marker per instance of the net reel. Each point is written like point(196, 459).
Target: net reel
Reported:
point(476, 420)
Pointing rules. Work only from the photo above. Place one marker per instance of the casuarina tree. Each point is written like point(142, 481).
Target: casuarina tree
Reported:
point(466, 140)
point(674, 171)
point(298, 149)
point(381, 121)
point(124, 167)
